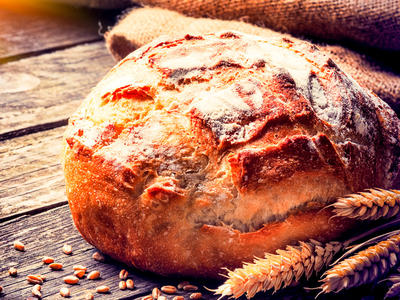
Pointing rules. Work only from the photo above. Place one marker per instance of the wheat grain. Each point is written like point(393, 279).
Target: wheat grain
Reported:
point(364, 267)
point(65, 292)
point(18, 245)
point(123, 274)
point(279, 270)
point(371, 205)
point(102, 289)
point(13, 272)
point(190, 287)
point(93, 275)
point(182, 284)
point(71, 279)
point(79, 268)
point(130, 284)
point(394, 277)
point(168, 289)
point(195, 296)
point(79, 273)
point(36, 291)
point(47, 260)
point(394, 291)
point(122, 285)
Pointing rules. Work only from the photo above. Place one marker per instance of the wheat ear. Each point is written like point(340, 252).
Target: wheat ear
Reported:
point(364, 267)
point(279, 270)
point(371, 205)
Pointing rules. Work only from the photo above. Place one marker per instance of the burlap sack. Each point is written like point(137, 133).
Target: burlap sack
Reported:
point(142, 25)
point(372, 22)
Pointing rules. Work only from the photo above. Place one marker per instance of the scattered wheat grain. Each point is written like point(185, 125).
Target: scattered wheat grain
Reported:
point(67, 249)
point(35, 279)
point(65, 292)
point(47, 260)
point(182, 284)
point(79, 273)
point(394, 291)
point(130, 285)
point(155, 293)
point(195, 296)
point(36, 291)
point(13, 272)
point(93, 275)
point(122, 285)
point(79, 267)
point(71, 279)
point(98, 257)
point(18, 245)
point(102, 289)
point(55, 266)
point(190, 287)
point(123, 275)
point(168, 289)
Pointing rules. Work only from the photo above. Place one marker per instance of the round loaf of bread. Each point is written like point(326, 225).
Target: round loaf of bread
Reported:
point(201, 152)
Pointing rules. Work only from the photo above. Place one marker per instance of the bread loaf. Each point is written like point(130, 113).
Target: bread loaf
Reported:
point(201, 152)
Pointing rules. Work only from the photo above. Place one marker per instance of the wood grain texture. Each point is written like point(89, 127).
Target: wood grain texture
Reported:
point(31, 173)
point(49, 87)
point(44, 235)
point(33, 26)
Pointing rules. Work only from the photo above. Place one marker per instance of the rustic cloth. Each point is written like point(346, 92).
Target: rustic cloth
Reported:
point(371, 22)
point(142, 25)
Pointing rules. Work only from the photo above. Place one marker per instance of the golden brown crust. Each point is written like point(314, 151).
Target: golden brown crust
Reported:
point(198, 153)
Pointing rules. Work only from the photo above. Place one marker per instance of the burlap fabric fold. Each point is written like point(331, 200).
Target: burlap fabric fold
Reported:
point(142, 25)
point(371, 22)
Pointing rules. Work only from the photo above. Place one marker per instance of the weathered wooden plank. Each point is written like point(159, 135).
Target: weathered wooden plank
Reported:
point(45, 234)
point(31, 174)
point(49, 87)
point(34, 26)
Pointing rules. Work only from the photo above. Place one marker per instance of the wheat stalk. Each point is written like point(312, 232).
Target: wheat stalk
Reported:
point(364, 267)
point(371, 205)
point(288, 266)
point(279, 270)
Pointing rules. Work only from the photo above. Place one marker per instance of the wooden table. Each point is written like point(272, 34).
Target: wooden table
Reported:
point(50, 57)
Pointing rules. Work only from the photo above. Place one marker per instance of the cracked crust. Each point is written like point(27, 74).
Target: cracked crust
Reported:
point(202, 152)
